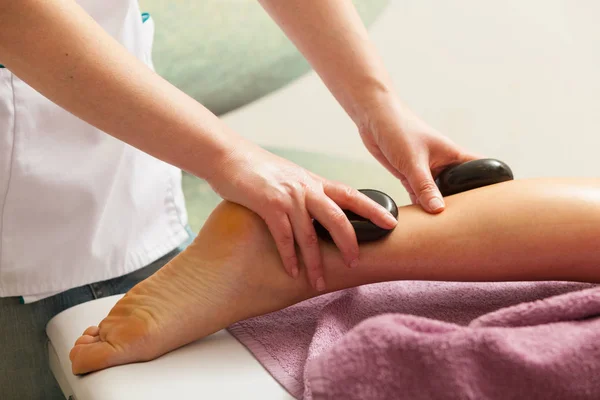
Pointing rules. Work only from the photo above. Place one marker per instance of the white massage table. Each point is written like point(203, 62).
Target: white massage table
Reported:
point(217, 367)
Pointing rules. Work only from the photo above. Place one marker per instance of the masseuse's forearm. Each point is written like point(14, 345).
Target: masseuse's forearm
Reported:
point(59, 50)
point(332, 37)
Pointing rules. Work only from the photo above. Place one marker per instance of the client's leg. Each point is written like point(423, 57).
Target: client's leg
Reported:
point(520, 230)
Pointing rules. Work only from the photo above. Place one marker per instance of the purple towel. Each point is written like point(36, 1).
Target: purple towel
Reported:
point(435, 340)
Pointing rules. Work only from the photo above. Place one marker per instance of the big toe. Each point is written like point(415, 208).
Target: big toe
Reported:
point(92, 331)
point(87, 339)
point(88, 356)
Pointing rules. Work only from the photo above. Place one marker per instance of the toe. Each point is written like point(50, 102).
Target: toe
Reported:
point(92, 331)
point(87, 339)
point(92, 357)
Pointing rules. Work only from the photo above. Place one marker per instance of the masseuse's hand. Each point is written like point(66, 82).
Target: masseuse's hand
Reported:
point(287, 196)
point(412, 151)
point(331, 35)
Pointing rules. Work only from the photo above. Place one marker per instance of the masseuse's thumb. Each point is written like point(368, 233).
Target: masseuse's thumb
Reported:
point(425, 189)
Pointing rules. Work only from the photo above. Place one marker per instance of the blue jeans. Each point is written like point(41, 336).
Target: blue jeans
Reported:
point(24, 368)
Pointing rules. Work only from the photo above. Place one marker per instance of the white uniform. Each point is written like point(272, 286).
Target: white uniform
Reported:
point(76, 205)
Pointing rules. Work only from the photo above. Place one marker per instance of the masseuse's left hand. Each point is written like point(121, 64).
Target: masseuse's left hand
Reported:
point(411, 150)
point(333, 38)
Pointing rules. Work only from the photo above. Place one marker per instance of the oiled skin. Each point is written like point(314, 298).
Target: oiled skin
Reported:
point(542, 229)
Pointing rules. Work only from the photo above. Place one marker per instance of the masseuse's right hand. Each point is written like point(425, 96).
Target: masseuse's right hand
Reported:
point(287, 197)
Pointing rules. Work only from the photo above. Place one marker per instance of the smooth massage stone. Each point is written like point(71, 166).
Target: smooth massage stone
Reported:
point(471, 175)
point(366, 231)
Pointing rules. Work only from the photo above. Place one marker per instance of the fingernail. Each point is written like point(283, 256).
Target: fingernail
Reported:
point(294, 272)
point(391, 221)
point(435, 204)
point(354, 263)
point(320, 284)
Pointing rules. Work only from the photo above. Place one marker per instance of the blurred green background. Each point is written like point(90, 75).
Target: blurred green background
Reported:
point(227, 53)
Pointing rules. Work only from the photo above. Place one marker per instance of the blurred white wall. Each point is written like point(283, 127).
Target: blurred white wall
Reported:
point(516, 80)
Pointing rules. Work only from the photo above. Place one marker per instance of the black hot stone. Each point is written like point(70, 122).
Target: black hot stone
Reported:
point(365, 230)
point(471, 175)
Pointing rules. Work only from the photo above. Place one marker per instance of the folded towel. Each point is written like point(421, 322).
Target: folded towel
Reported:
point(435, 340)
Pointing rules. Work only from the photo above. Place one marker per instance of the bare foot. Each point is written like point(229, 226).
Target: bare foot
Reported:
point(231, 272)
